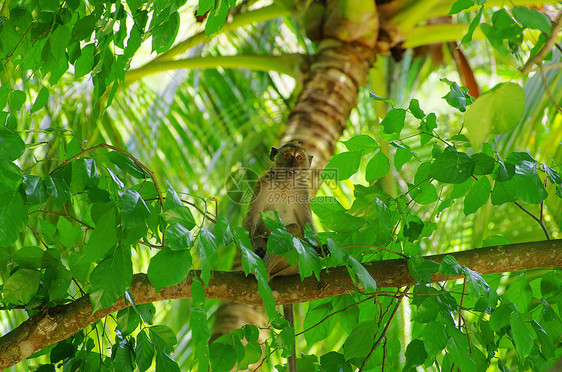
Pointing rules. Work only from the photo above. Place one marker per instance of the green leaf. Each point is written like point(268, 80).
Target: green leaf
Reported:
point(422, 269)
point(393, 122)
point(309, 262)
point(111, 278)
point(34, 188)
point(163, 35)
point(32, 257)
point(41, 100)
point(318, 323)
point(434, 337)
point(199, 325)
point(458, 348)
point(402, 156)
point(144, 351)
point(520, 294)
point(178, 238)
point(551, 285)
point(532, 18)
point(223, 356)
point(57, 280)
point(127, 320)
point(473, 24)
point(361, 142)
point(83, 28)
point(180, 215)
point(457, 96)
point(497, 111)
point(21, 287)
point(334, 216)
point(163, 338)
point(102, 239)
point(415, 353)
point(334, 362)
point(168, 267)
point(477, 196)
point(378, 166)
point(11, 145)
point(279, 241)
point(13, 217)
point(547, 346)
point(378, 98)
point(85, 63)
point(252, 263)
point(59, 41)
point(17, 99)
point(216, 17)
point(479, 287)
point(84, 173)
point(58, 190)
point(452, 166)
point(369, 284)
point(61, 351)
point(522, 336)
point(415, 109)
point(207, 254)
point(342, 166)
point(499, 318)
point(424, 193)
point(554, 178)
point(126, 164)
point(449, 266)
point(460, 5)
point(67, 232)
point(134, 209)
point(525, 184)
point(165, 363)
point(504, 29)
point(484, 164)
point(361, 340)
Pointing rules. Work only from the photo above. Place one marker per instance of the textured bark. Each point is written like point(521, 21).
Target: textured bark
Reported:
point(56, 324)
point(346, 49)
point(346, 34)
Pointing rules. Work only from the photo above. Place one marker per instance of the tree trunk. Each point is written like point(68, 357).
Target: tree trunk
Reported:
point(329, 93)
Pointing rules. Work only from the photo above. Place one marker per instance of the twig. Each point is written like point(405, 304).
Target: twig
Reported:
point(334, 313)
point(537, 58)
point(534, 218)
point(63, 215)
point(398, 299)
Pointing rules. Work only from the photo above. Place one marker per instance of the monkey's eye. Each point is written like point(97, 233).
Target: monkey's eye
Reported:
point(288, 155)
point(300, 157)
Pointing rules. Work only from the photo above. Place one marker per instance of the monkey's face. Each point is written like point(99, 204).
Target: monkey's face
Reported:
point(292, 157)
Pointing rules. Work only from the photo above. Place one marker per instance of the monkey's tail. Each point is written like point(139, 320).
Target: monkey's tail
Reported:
point(288, 313)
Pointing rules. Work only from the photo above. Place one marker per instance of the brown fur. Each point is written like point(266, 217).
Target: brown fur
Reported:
point(284, 188)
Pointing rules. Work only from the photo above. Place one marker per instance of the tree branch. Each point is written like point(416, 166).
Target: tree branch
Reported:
point(52, 325)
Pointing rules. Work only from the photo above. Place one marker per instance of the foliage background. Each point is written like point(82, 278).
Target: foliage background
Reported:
point(194, 127)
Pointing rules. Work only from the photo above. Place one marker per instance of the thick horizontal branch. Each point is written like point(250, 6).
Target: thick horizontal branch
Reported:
point(56, 324)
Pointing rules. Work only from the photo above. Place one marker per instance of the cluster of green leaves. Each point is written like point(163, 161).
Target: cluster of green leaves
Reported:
point(468, 326)
point(86, 224)
point(97, 38)
point(505, 33)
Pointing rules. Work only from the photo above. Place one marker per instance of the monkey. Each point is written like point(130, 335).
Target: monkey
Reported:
point(284, 188)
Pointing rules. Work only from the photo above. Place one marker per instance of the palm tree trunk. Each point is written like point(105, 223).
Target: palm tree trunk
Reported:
point(346, 51)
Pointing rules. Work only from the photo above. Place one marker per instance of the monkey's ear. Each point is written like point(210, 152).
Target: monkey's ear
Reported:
point(274, 151)
point(310, 157)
